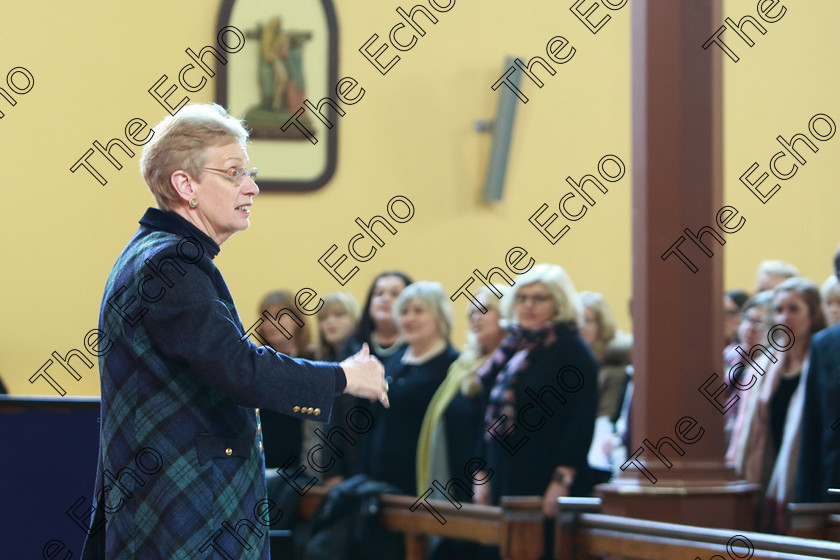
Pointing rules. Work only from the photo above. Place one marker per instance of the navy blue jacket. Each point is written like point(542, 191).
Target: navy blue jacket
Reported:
point(181, 469)
point(819, 463)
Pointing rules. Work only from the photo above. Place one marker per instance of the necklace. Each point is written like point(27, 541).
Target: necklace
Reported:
point(387, 351)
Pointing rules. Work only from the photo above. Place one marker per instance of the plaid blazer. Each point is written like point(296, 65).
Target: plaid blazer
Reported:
point(181, 471)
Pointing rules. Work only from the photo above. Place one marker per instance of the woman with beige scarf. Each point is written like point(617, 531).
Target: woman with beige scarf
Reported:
point(765, 443)
point(461, 385)
point(454, 419)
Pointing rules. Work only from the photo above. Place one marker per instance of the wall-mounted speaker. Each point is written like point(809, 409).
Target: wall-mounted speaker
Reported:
point(501, 128)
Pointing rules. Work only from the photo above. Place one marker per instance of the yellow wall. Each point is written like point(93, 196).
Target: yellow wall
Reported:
point(412, 134)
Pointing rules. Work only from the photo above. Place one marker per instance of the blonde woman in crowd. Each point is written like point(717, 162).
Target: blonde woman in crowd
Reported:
point(543, 357)
point(767, 432)
point(611, 349)
point(452, 423)
point(772, 273)
point(830, 293)
point(337, 321)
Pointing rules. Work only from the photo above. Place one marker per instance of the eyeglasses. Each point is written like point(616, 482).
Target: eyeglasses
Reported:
point(751, 322)
point(237, 173)
point(537, 298)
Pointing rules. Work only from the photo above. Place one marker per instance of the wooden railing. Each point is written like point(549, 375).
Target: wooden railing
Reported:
point(580, 535)
point(516, 526)
point(815, 521)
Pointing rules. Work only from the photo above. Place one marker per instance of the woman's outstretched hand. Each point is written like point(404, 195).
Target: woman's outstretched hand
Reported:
point(366, 377)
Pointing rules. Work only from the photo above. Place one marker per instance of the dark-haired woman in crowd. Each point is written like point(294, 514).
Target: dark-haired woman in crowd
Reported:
point(283, 434)
point(542, 363)
point(377, 327)
point(733, 301)
point(768, 429)
point(414, 373)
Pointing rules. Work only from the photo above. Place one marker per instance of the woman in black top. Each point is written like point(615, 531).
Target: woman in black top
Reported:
point(796, 305)
point(378, 326)
point(542, 393)
point(766, 438)
point(414, 374)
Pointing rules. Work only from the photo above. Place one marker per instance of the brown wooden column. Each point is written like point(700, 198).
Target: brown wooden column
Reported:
point(677, 314)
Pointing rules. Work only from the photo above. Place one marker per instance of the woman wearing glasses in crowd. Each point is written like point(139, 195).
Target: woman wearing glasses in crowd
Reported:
point(752, 330)
point(182, 380)
point(542, 384)
point(768, 430)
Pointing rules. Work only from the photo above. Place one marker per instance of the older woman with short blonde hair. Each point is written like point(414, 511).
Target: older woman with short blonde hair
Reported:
point(182, 381)
point(542, 381)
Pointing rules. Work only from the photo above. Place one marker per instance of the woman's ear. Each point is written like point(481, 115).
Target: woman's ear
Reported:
point(183, 184)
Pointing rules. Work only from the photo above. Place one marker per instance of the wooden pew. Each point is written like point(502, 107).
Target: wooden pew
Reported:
point(516, 526)
point(815, 521)
point(582, 535)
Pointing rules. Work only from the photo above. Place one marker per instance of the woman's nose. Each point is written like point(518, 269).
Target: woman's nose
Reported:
point(251, 188)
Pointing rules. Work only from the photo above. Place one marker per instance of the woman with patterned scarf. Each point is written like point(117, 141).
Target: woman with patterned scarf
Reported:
point(541, 388)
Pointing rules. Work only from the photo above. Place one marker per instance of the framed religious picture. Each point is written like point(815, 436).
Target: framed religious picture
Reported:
point(290, 56)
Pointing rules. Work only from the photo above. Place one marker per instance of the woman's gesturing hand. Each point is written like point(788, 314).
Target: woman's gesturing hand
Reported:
point(366, 377)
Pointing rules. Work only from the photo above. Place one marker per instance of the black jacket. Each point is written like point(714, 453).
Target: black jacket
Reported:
point(393, 439)
point(819, 463)
point(553, 423)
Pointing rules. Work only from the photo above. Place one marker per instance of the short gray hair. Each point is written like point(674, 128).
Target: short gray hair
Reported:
point(433, 296)
point(559, 284)
point(180, 141)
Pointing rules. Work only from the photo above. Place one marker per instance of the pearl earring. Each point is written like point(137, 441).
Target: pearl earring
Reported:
point(193, 203)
